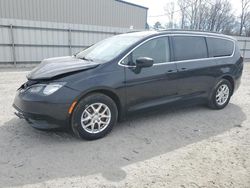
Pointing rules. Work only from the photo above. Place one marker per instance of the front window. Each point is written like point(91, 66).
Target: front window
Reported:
point(157, 49)
point(108, 49)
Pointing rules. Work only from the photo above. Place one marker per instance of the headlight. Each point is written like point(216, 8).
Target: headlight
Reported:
point(46, 89)
point(36, 88)
point(52, 88)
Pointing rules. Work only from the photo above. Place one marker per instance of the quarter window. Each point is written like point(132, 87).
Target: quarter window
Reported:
point(219, 47)
point(157, 49)
point(189, 47)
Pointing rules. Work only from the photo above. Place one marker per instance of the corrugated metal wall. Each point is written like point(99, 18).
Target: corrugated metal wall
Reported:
point(29, 41)
point(244, 44)
point(111, 13)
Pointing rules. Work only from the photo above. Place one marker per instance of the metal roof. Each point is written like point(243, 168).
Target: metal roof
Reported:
point(111, 13)
point(132, 4)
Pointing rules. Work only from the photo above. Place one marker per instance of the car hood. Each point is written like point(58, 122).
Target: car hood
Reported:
point(52, 67)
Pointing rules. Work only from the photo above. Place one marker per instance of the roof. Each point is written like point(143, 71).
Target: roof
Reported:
point(132, 4)
point(193, 32)
point(140, 33)
point(176, 31)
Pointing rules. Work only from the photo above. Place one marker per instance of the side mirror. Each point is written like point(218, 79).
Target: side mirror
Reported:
point(144, 62)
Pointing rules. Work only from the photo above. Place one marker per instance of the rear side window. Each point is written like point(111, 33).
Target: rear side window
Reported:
point(157, 49)
point(219, 47)
point(189, 47)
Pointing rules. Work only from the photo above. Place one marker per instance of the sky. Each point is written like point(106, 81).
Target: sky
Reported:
point(156, 7)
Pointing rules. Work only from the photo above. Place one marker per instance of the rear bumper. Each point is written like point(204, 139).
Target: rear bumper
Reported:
point(237, 84)
point(238, 74)
point(45, 112)
point(237, 78)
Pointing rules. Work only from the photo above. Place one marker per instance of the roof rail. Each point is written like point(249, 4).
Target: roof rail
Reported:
point(133, 31)
point(190, 30)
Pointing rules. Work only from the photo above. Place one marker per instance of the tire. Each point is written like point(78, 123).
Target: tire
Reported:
point(88, 122)
point(214, 101)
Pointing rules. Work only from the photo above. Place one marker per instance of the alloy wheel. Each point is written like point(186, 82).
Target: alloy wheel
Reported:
point(222, 94)
point(95, 118)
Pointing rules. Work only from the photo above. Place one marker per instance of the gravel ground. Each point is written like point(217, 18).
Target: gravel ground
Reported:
point(181, 147)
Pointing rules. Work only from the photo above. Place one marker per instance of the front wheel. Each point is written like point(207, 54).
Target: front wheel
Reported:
point(94, 116)
point(221, 94)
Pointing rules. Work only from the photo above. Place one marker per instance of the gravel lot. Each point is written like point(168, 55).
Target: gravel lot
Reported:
point(181, 147)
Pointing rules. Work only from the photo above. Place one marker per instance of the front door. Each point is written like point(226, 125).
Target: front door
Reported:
point(153, 85)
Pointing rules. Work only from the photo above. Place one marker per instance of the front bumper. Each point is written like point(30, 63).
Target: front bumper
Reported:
point(45, 112)
point(41, 121)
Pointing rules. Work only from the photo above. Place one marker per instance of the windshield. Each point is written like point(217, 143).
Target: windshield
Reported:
point(108, 49)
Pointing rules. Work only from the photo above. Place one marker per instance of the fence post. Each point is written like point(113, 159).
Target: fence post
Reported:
point(244, 48)
point(70, 45)
point(13, 45)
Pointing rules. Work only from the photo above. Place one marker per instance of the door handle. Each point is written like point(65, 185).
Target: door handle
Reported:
point(184, 68)
point(170, 71)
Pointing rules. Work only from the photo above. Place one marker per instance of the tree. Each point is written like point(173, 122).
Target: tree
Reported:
point(182, 5)
point(170, 10)
point(206, 15)
point(220, 16)
point(244, 12)
point(158, 26)
point(247, 24)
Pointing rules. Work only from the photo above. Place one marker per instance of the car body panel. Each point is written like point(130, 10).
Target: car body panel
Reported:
point(52, 109)
point(139, 84)
point(196, 77)
point(52, 67)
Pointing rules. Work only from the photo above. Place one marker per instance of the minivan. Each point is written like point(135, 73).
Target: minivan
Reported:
point(93, 89)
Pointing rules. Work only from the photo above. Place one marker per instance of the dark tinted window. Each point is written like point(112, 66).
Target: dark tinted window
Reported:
point(188, 47)
point(157, 49)
point(219, 47)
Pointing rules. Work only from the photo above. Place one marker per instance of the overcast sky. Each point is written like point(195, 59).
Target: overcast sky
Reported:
point(156, 7)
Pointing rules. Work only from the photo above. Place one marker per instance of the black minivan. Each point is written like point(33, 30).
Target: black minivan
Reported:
point(125, 73)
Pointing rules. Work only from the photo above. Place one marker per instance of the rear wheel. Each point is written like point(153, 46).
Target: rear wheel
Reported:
point(94, 116)
point(221, 94)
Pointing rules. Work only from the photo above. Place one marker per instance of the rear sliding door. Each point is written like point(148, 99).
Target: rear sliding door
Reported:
point(195, 68)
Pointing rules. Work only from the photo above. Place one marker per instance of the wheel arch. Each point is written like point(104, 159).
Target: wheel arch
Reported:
point(231, 80)
point(226, 77)
point(108, 92)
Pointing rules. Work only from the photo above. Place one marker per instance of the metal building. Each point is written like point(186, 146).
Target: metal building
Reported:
point(32, 30)
point(113, 13)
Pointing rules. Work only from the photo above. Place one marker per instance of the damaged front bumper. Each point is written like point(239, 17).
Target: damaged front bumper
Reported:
point(45, 112)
